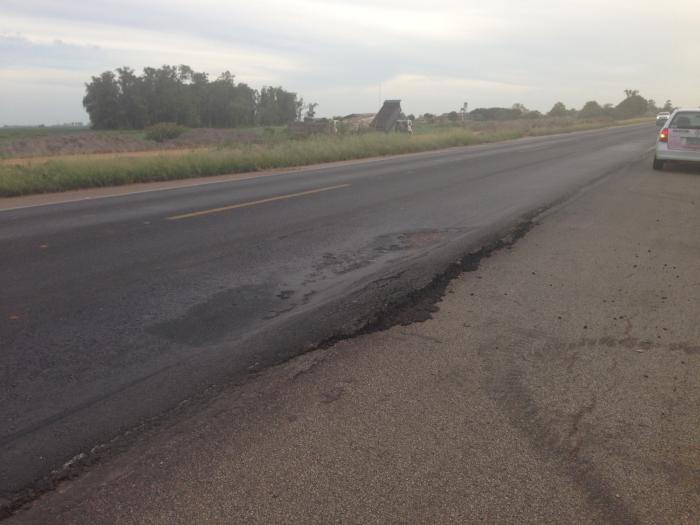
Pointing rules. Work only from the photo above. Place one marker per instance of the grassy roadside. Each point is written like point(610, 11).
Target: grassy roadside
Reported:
point(77, 173)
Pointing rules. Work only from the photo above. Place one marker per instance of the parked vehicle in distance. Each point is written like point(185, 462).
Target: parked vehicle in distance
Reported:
point(662, 118)
point(679, 138)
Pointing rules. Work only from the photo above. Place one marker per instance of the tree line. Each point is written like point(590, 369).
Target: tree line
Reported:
point(632, 106)
point(121, 99)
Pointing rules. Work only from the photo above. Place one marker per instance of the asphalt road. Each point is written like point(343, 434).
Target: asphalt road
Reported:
point(556, 382)
point(117, 309)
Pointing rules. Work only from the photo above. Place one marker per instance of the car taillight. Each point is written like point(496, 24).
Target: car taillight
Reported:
point(663, 135)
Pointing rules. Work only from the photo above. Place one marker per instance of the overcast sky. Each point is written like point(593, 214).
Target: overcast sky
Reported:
point(434, 55)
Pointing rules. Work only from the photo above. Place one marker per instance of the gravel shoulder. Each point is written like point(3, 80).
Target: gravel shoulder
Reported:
point(557, 383)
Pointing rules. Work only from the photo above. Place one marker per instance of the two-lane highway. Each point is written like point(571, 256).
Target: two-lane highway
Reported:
point(115, 309)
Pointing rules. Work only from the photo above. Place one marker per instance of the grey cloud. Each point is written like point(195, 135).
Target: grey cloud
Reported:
point(18, 52)
point(572, 51)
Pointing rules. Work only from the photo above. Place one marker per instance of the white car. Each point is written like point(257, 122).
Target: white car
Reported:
point(679, 139)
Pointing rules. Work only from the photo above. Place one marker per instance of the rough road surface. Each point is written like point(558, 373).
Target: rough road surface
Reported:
point(557, 383)
point(115, 310)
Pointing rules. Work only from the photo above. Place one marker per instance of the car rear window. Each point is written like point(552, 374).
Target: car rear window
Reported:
point(687, 120)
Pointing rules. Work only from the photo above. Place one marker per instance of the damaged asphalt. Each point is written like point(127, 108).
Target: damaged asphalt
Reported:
point(415, 306)
point(556, 382)
point(396, 307)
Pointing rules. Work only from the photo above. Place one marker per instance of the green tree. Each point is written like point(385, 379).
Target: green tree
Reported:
point(591, 109)
point(520, 110)
point(278, 107)
point(187, 107)
point(101, 101)
point(245, 100)
point(220, 112)
point(181, 95)
point(199, 87)
point(558, 110)
point(496, 113)
point(132, 106)
point(453, 116)
point(609, 110)
point(168, 96)
point(633, 106)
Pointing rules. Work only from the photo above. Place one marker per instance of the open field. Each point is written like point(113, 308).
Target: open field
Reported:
point(41, 142)
point(201, 153)
point(29, 161)
point(14, 133)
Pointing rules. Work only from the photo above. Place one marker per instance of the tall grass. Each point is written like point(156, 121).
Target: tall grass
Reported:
point(75, 173)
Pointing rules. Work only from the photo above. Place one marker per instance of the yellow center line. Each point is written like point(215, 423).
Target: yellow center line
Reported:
point(255, 203)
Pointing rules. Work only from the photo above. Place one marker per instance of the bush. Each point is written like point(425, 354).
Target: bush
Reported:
point(591, 110)
point(632, 106)
point(164, 131)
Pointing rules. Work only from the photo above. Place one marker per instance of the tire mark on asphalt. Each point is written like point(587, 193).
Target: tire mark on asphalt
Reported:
point(506, 384)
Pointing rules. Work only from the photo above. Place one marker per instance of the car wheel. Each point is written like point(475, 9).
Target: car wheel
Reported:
point(658, 164)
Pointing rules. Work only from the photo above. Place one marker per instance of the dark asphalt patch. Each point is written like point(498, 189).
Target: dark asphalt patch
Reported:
point(213, 319)
point(420, 305)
